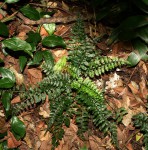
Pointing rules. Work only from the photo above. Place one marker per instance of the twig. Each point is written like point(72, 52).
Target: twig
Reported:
point(63, 20)
point(11, 17)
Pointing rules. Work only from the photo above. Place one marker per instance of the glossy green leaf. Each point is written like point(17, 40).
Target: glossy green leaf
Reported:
point(37, 58)
point(134, 22)
point(142, 49)
point(33, 37)
point(140, 53)
point(143, 33)
point(133, 59)
point(22, 62)
point(6, 100)
point(3, 29)
point(141, 5)
point(48, 57)
point(8, 78)
point(50, 28)
point(53, 41)
point(17, 44)
point(18, 127)
point(30, 12)
point(11, 1)
point(127, 35)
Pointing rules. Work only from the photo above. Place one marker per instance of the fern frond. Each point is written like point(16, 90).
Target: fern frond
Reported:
point(82, 120)
point(141, 121)
point(88, 87)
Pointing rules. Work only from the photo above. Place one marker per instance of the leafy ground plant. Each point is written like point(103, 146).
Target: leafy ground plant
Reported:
point(68, 84)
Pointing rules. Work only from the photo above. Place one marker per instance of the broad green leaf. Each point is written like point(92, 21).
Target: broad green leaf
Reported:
point(134, 22)
point(8, 78)
point(6, 99)
point(18, 127)
point(33, 37)
point(142, 49)
point(53, 41)
point(37, 58)
point(143, 33)
point(133, 59)
point(141, 5)
point(50, 28)
point(22, 62)
point(140, 53)
point(11, 1)
point(30, 12)
point(3, 29)
point(48, 57)
point(17, 44)
point(145, 1)
point(127, 35)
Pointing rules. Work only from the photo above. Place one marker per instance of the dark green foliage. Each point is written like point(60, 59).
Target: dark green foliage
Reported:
point(83, 55)
point(71, 91)
point(141, 121)
point(120, 112)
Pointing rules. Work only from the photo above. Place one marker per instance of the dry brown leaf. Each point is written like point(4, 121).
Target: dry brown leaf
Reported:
point(16, 100)
point(62, 29)
point(44, 136)
point(22, 35)
point(28, 140)
point(143, 88)
point(96, 143)
point(52, 4)
point(129, 146)
point(128, 118)
point(45, 145)
point(44, 113)
point(43, 32)
point(59, 53)
point(134, 87)
point(12, 142)
point(19, 77)
point(34, 75)
point(65, 6)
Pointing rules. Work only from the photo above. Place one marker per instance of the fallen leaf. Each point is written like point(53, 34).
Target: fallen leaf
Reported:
point(134, 87)
point(43, 32)
point(12, 142)
point(129, 146)
point(16, 100)
point(28, 141)
point(34, 75)
point(143, 88)
point(44, 136)
point(19, 77)
point(65, 6)
point(52, 4)
point(96, 143)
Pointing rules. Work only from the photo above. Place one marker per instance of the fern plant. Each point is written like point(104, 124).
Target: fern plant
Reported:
point(71, 90)
point(141, 121)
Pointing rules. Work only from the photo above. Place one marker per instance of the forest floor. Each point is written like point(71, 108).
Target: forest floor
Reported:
point(124, 87)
